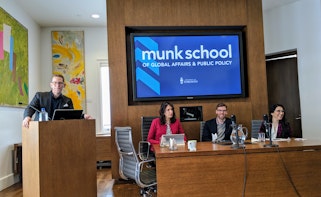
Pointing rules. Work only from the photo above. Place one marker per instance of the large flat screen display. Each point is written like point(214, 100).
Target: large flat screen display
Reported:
point(172, 66)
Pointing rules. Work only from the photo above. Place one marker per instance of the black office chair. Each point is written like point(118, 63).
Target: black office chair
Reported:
point(130, 166)
point(144, 146)
point(256, 124)
point(146, 121)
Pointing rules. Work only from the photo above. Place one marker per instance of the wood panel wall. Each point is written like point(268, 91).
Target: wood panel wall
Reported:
point(122, 13)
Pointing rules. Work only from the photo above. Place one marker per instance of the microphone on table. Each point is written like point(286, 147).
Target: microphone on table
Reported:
point(266, 121)
point(265, 118)
point(20, 103)
point(267, 125)
point(233, 119)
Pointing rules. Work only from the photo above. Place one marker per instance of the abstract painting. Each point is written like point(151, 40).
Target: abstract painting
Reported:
point(68, 60)
point(13, 61)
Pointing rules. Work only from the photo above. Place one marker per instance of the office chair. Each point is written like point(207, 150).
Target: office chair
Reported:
point(202, 124)
point(144, 146)
point(256, 124)
point(130, 166)
point(146, 121)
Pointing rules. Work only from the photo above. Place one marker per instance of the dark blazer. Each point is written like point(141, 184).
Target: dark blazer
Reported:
point(43, 99)
point(284, 130)
point(211, 127)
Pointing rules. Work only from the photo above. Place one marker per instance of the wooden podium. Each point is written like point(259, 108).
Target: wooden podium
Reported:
point(59, 159)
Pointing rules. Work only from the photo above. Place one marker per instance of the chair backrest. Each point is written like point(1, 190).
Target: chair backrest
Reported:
point(146, 121)
point(130, 167)
point(202, 124)
point(256, 124)
point(128, 158)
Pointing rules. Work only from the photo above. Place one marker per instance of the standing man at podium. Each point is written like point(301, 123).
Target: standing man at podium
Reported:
point(51, 100)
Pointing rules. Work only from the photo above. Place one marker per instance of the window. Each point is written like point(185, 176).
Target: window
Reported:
point(105, 98)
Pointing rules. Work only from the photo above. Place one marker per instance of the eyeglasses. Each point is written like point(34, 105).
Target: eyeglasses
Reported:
point(57, 83)
point(280, 111)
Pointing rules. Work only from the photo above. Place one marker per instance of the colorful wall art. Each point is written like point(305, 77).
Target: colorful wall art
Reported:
point(68, 60)
point(13, 61)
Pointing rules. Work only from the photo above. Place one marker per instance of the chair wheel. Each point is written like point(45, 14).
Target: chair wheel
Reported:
point(142, 192)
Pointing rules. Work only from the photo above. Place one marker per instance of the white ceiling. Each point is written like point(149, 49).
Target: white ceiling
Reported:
point(75, 13)
point(66, 13)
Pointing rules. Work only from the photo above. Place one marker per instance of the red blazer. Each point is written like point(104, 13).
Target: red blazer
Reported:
point(156, 130)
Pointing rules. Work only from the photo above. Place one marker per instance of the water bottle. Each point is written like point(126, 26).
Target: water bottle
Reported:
point(43, 116)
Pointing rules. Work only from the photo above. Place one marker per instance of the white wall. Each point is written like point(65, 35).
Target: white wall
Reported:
point(298, 26)
point(40, 70)
point(11, 118)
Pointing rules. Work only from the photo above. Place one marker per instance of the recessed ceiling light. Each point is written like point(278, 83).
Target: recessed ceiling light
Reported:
point(95, 16)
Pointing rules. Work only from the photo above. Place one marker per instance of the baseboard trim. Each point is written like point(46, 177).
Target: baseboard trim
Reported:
point(8, 180)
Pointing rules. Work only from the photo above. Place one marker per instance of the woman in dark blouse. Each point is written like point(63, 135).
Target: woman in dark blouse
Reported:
point(280, 128)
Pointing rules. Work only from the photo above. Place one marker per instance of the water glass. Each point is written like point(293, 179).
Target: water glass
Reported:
point(261, 137)
point(191, 145)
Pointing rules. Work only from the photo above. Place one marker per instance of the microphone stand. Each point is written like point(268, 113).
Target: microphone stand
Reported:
point(268, 127)
point(32, 107)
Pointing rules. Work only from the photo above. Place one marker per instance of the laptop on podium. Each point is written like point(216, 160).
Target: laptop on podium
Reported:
point(67, 114)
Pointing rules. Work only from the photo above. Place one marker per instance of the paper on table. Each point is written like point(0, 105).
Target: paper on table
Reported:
point(300, 139)
point(281, 139)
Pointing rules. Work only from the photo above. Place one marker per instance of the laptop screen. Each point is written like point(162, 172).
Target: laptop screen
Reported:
point(66, 114)
point(179, 138)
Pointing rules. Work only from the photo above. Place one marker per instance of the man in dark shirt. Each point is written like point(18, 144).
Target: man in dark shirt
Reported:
point(49, 100)
point(221, 125)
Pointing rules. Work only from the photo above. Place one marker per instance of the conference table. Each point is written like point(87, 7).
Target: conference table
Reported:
point(291, 169)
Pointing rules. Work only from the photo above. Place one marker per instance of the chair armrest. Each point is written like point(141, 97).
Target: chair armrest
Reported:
point(143, 150)
point(145, 162)
point(126, 153)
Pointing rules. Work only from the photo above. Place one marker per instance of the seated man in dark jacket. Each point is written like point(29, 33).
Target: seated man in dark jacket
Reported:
point(221, 125)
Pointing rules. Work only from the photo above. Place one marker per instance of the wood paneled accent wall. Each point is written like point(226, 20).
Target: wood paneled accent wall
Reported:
point(122, 13)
